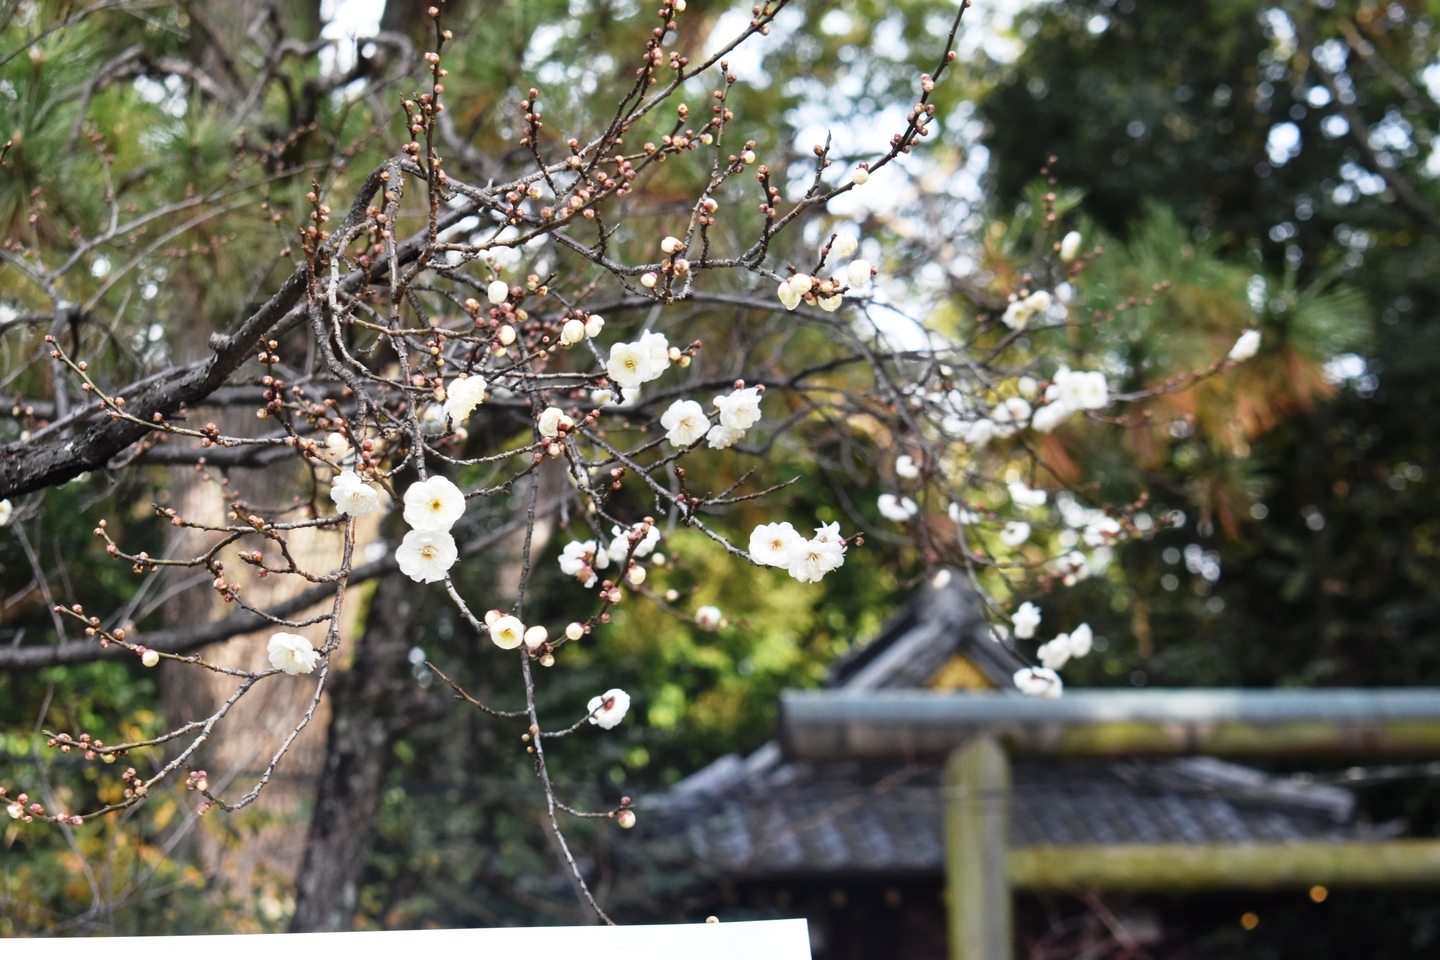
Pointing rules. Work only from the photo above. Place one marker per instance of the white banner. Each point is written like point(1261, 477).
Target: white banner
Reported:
point(757, 940)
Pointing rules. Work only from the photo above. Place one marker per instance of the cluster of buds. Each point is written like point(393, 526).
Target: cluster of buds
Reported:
point(91, 747)
point(17, 807)
point(198, 780)
point(135, 786)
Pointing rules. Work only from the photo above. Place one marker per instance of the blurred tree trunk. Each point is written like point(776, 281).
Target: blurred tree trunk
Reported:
point(369, 712)
point(369, 708)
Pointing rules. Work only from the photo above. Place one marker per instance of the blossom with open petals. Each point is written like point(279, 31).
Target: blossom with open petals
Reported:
point(1039, 682)
point(1050, 416)
point(426, 556)
point(433, 504)
point(292, 653)
point(7, 510)
point(462, 396)
point(581, 558)
point(770, 542)
point(507, 632)
point(1026, 619)
point(741, 409)
point(1080, 389)
point(684, 423)
point(1055, 654)
point(609, 708)
point(658, 348)
point(620, 541)
point(721, 436)
point(809, 560)
point(906, 467)
point(629, 365)
point(353, 496)
point(1247, 346)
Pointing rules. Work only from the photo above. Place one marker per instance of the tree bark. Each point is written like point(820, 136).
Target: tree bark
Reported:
point(368, 708)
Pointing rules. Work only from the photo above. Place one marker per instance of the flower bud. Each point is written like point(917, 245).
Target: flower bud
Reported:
point(572, 332)
point(575, 630)
point(507, 334)
point(498, 292)
point(150, 658)
point(671, 245)
point(626, 819)
point(536, 636)
point(594, 325)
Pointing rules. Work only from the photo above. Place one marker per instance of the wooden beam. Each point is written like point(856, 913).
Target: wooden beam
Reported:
point(883, 725)
point(977, 823)
point(1186, 867)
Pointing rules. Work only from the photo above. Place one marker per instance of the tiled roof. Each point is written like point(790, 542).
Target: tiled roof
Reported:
point(788, 819)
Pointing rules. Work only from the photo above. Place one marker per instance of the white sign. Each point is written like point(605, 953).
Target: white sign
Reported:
point(757, 940)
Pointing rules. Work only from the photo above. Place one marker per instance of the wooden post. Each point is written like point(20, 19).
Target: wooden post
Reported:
point(977, 829)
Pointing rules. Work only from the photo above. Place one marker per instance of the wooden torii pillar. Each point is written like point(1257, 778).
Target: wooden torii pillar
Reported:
point(977, 830)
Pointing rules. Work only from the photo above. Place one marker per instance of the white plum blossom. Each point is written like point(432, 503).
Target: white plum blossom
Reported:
point(844, 245)
point(426, 556)
point(906, 468)
point(685, 422)
point(433, 505)
point(809, 560)
point(337, 446)
point(658, 348)
point(1039, 682)
point(1246, 346)
point(462, 396)
point(1055, 654)
point(1026, 619)
point(980, 432)
point(770, 543)
point(802, 283)
point(572, 332)
point(498, 292)
point(671, 245)
point(708, 617)
point(551, 420)
point(858, 274)
point(593, 325)
point(608, 709)
point(292, 653)
point(507, 632)
point(581, 558)
point(1079, 389)
point(1050, 416)
point(1015, 533)
point(620, 542)
point(353, 496)
point(1024, 496)
point(831, 303)
point(535, 636)
point(629, 365)
point(1059, 651)
point(1009, 415)
point(1101, 531)
point(1017, 315)
point(740, 410)
point(7, 510)
point(789, 296)
point(721, 436)
point(1073, 567)
point(898, 509)
point(1070, 246)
